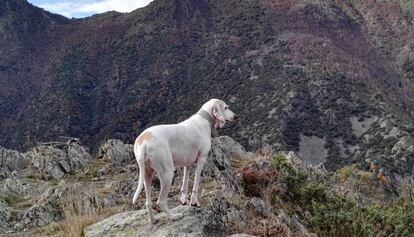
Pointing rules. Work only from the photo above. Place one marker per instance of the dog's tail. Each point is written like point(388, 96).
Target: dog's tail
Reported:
point(140, 156)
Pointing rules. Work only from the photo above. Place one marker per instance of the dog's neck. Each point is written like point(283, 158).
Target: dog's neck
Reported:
point(207, 117)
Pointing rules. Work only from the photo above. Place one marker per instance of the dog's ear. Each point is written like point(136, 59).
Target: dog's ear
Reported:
point(218, 115)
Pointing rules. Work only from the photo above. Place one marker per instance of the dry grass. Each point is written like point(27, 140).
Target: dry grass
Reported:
point(73, 226)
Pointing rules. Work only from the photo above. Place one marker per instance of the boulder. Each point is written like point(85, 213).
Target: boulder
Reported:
point(117, 152)
point(258, 206)
point(66, 198)
point(293, 223)
point(223, 150)
point(24, 188)
point(10, 161)
point(403, 144)
point(78, 155)
point(193, 222)
point(56, 162)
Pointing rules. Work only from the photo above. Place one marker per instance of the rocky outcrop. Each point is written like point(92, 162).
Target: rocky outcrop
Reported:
point(117, 152)
point(258, 206)
point(57, 161)
point(193, 222)
point(11, 160)
point(210, 220)
point(223, 150)
point(23, 188)
point(64, 200)
point(390, 146)
point(5, 215)
point(240, 192)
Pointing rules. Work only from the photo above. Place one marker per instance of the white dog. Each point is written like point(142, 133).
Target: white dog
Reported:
point(162, 148)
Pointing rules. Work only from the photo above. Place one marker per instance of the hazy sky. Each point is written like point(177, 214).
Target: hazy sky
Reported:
point(83, 8)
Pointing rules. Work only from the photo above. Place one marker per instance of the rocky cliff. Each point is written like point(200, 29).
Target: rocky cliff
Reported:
point(61, 190)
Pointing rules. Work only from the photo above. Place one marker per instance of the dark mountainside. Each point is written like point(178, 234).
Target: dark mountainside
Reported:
point(332, 80)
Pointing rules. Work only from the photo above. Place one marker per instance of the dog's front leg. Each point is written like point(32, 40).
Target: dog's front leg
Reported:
point(184, 187)
point(197, 175)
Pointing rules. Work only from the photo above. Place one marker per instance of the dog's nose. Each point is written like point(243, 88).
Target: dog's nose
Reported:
point(236, 116)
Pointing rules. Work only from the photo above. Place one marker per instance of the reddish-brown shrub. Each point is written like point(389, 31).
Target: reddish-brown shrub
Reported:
point(255, 180)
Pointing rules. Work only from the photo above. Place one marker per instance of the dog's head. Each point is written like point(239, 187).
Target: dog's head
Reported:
point(220, 112)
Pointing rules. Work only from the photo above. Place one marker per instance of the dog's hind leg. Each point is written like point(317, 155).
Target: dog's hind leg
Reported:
point(149, 174)
point(166, 174)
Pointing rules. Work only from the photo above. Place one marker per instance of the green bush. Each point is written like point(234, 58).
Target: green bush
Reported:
point(346, 171)
point(280, 163)
point(293, 178)
point(340, 216)
point(332, 214)
point(313, 192)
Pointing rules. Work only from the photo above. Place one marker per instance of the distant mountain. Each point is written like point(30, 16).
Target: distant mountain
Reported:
point(330, 79)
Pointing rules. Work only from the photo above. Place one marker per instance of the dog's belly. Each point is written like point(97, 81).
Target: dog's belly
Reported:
point(185, 142)
point(184, 158)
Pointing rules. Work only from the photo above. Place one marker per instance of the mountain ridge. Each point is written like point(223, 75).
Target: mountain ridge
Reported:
point(299, 72)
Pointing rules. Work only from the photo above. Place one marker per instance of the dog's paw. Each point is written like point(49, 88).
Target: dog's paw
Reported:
point(184, 199)
point(184, 202)
point(194, 202)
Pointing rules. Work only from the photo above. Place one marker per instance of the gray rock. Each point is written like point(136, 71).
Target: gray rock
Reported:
point(56, 202)
point(194, 222)
point(403, 144)
point(117, 152)
point(293, 223)
point(224, 149)
point(5, 215)
point(56, 162)
point(50, 161)
point(11, 160)
point(219, 205)
point(26, 189)
point(42, 214)
point(237, 217)
point(78, 155)
point(257, 206)
point(394, 132)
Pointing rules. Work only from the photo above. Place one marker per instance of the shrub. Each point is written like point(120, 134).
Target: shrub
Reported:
point(293, 178)
point(346, 171)
point(313, 192)
point(280, 163)
point(366, 176)
point(255, 180)
point(340, 216)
